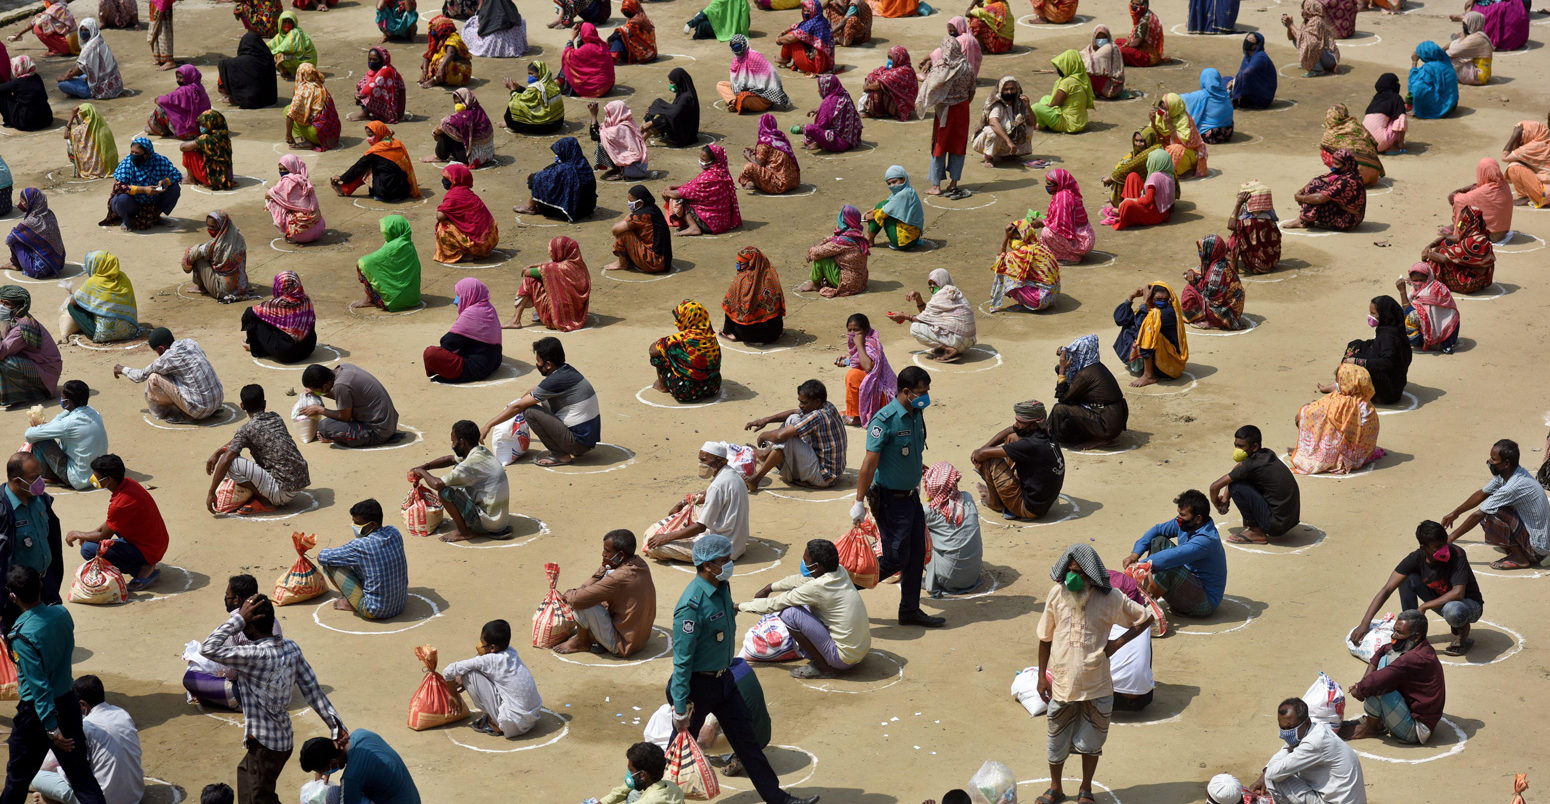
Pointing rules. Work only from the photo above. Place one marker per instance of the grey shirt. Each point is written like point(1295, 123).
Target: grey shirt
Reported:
point(1523, 494)
point(366, 399)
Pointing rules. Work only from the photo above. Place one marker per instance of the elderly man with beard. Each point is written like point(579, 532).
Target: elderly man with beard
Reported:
point(1402, 692)
point(721, 510)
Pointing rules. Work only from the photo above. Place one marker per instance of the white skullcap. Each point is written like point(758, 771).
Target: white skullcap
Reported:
point(1224, 788)
point(716, 448)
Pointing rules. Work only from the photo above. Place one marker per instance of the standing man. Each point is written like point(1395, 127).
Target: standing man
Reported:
point(29, 530)
point(72, 440)
point(704, 639)
point(1263, 487)
point(1513, 511)
point(1022, 465)
point(272, 476)
point(48, 716)
point(895, 447)
point(180, 382)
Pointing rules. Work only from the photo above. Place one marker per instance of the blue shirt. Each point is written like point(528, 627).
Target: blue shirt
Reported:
point(29, 544)
point(374, 773)
point(82, 436)
point(897, 433)
point(1200, 551)
point(378, 560)
point(42, 642)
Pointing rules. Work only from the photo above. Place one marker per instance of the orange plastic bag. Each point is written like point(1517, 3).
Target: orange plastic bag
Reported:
point(303, 581)
point(422, 509)
point(688, 768)
point(683, 519)
point(856, 554)
point(555, 621)
point(98, 582)
point(434, 703)
point(8, 681)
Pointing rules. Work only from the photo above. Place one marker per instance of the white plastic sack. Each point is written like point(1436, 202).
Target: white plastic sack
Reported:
point(510, 439)
point(319, 791)
point(1325, 700)
point(1380, 633)
point(1025, 688)
point(659, 728)
point(742, 458)
point(198, 662)
point(307, 426)
point(993, 783)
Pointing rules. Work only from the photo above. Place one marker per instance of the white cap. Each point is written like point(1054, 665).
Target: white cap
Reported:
point(716, 448)
point(1224, 788)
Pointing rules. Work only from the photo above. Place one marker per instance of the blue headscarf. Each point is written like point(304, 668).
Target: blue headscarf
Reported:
point(564, 183)
point(1210, 106)
point(155, 168)
point(1433, 84)
point(1255, 85)
point(1080, 354)
point(904, 203)
point(816, 25)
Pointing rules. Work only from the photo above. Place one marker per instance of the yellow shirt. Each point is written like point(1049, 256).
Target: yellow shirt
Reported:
point(1077, 625)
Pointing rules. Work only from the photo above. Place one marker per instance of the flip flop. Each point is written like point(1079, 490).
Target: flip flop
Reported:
point(548, 461)
point(1049, 796)
point(1507, 564)
point(1086, 797)
point(140, 583)
point(1460, 648)
point(1237, 538)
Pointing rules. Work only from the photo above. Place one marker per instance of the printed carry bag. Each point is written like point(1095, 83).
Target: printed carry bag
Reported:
point(769, 640)
point(434, 703)
point(857, 555)
point(1380, 632)
point(8, 681)
point(303, 581)
point(98, 582)
point(688, 768)
point(422, 509)
point(683, 519)
point(1325, 700)
point(510, 440)
point(555, 621)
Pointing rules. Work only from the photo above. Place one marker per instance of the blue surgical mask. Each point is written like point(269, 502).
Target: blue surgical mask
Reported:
point(1160, 304)
point(457, 300)
point(629, 780)
point(889, 63)
point(921, 402)
point(284, 172)
point(357, 529)
point(532, 79)
point(802, 568)
point(724, 575)
point(1289, 736)
point(1104, 42)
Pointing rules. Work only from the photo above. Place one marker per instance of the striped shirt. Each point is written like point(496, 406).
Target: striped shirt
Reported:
point(377, 558)
point(184, 364)
point(267, 671)
point(571, 399)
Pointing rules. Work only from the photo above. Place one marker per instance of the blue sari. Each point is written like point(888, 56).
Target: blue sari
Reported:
point(566, 189)
point(1213, 16)
point(1255, 85)
point(1433, 84)
point(35, 242)
point(398, 19)
point(1210, 106)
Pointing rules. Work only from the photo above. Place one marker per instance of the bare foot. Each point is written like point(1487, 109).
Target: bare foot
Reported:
point(984, 493)
point(573, 645)
point(525, 209)
point(168, 66)
point(515, 323)
point(357, 305)
point(1142, 382)
point(247, 348)
point(300, 146)
point(456, 536)
point(933, 191)
point(829, 293)
point(1294, 224)
point(613, 266)
point(659, 386)
point(431, 158)
point(729, 336)
point(805, 287)
point(343, 605)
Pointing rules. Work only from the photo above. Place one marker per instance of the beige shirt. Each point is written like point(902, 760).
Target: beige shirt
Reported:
point(833, 599)
point(1076, 624)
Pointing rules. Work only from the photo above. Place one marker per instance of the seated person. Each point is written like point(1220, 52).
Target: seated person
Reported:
point(720, 510)
point(593, 11)
point(1105, 64)
point(1337, 434)
point(207, 157)
point(499, 684)
point(293, 203)
point(754, 307)
point(720, 19)
point(900, 215)
point(1255, 242)
point(1386, 116)
point(145, 187)
point(836, 128)
point(1192, 573)
point(676, 122)
point(621, 149)
point(1213, 296)
point(292, 47)
point(1491, 194)
point(562, 410)
point(103, 308)
point(1022, 466)
point(29, 358)
point(134, 535)
point(56, 29)
point(1064, 228)
point(1179, 135)
point(465, 229)
point(537, 107)
point(365, 416)
point(1211, 108)
point(688, 362)
point(869, 380)
point(642, 240)
point(370, 571)
point(1142, 143)
point(447, 61)
point(822, 609)
point(1512, 518)
point(471, 349)
point(390, 276)
point(1263, 488)
point(269, 479)
point(1386, 356)
point(35, 243)
point(212, 684)
point(380, 92)
point(1027, 273)
point(559, 291)
point(369, 769)
point(634, 41)
point(1131, 666)
point(1465, 259)
point(386, 164)
point(944, 324)
point(1336, 200)
point(1433, 86)
point(1527, 159)
point(475, 493)
point(953, 531)
point(68, 443)
point(113, 745)
point(992, 23)
point(807, 45)
point(1315, 765)
point(247, 80)
point(616, 606)
point(889, 91)
point(1147, 195)
point(1151, 340)
point(565, 190)
point(180, 382)
point(282, 328)
point(1314, 37)
point(1090, 409)
point(1435, 577)
point(1431, 313)
point(1063, 110)
point(466, 135)
point(809, 447)
point(311, 118)
point(397, 19)
point(706, 204)
point(839, 263)
point(220, 265)
point(1341, 130)
point(772, 166)
point(176, 114)
point(24, 98)
point(645, 765)
point(1402, 691)
point(586, 64)
point(1254, 86)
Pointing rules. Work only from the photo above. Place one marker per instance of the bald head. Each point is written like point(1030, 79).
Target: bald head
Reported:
point(22, 465)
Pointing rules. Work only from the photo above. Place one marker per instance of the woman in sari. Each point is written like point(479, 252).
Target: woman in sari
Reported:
point(29, 360)
point(446, 61)
point(1105, 64)
point(1147, 203)
point(707, 204)
point(496, 30)
point(900, 216)
point(1490, 194)
point(564, 190)
point(1025, 270)
point(1254, 87)
point(593, 11)
point(558, 291)
point(1342, 16)
point(260, 16)
point(1213, 297)
point(1090, 409)
point(1385, 115)
point(869, 381)
point(103, 308)
point(385, 164)
point(754, 86)
point(37, 248)
point(1055, 12)
point(92, 151)
point(311, 119)
point(1211, 107)
point(177, 112)
point(466, 135)
point(471, 349)
point(537, 107)
point(1464, 260)
point(391, 274)
point(944, 323)
point(1219, 16)
point(621, 148)
point(118, 13)
point(1433, 86)
point(95, 73)
point(992, 24)
point(1152, 341)
point(1386, 356)
point(755, 305)
point(145, 187)
point(1142, 143)
point(1256, 236)
point(688, 362)
point(1064, 229)
point(1178, 134)
point(836, 125)
point(24, 99)
point(1506, 23)
point(284, 327)
point(1341, 130)
point(1338, 434)
point(1315, 40)
point(958, 28)
point(721, 20)
point(207, 159)
point(642, 240)
point(772, 164)
point(292, 47)
point(808, 45)
point(1527, 156)
point(1431, 314)
point(947, 89)
point(380, 92)
point(1471, 51)
point(465, 229)
point(55, 27)
point(248, 79)
point(851, 21)
point(839, 263)
point(1336, 200)
point(889, 90)
point(635, 40)
point(397, 19)
point(220, 265)
point(1144, 46)
point(293, 203)
point(676, 122)
point(1065, 108)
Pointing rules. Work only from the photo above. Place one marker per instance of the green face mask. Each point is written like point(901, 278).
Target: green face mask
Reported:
point(1075, 582)
point(672, 87)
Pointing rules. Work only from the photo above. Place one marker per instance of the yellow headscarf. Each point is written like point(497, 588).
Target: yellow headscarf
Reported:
point(1168, 361)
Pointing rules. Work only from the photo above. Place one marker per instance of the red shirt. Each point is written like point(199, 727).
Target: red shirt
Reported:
point(134, 517)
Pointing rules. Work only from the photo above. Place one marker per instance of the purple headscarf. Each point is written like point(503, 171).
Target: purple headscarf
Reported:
point(771, 135)
point(838, 112)
point(476, 317)
point(184, 104)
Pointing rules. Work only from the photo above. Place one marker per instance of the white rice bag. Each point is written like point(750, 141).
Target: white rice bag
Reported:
point(1025, 689)
point(306, 425)
point(659, 728)
point(509, 440)
point(319, 791)
point(1325, 700)
point(1380, 632)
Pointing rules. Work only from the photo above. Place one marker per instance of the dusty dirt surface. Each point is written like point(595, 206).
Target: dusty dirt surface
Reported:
point(925, 709)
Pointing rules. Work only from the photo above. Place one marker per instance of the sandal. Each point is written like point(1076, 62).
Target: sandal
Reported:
point(1508, 564)
point(137, 584)
point(1049, 796)
point(1238, 538)
point(1085, 797)
point(549, 460)
point(1460, 648)
point(809, 671)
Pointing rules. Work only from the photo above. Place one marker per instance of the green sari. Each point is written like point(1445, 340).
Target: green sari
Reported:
point(393, 271)
point(540, 103)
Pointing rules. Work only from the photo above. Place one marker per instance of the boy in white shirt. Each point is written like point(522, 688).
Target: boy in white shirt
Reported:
point(499, 684)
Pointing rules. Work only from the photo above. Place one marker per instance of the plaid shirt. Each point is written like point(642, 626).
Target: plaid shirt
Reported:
point(378, 560)
point(824, 431)
point(267, 670)
point(186, 366)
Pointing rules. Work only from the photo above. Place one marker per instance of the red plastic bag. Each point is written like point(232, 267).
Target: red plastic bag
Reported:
point(98, 582)
point(434, 703)
point(422, 509)
point(857, 555)
point(8, 681)
point(683, 519)
point(555, 621)
point(687, 767)
point(303, 581)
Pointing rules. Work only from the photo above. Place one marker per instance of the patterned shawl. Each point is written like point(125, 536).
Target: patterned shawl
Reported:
point(838, 112)
point(1088, 562)
point(1436, 312)
point(1026, 259)
point(1065, 215)
point(1491, 194)
point(848, 230)
point(40, 221)
point(949, 81)
point(91, 142)
point(214, 143)
point(897, 78)
point(1470, 245)
point(750, 71)
point(289, 311)
point(947, 308)
point(107, 291)
point(814, 29)
point(382, 89)
point(712, 194)
point(310, 96)
point(755, 295)
point(1080, 354)
point(771, 135)
point(470, 125)
point(1341, 130)
point(693, 350)
point(941, 484)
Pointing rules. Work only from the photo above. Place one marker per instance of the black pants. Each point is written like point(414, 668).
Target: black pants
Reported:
point(257, 773)
point(450, 149)
point(710, 695)
point(29, 744)
point(532, 128)
point(901, 523)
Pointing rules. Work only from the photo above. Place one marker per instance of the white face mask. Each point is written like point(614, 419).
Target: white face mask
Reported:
point(707, 470)
point(704, 164)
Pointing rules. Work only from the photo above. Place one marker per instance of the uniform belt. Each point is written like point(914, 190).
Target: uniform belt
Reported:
point(887, 492)
point(711, 673)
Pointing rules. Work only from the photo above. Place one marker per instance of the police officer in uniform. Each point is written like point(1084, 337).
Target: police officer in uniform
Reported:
point(704, 638)
point(895, 447)
point(29, 531)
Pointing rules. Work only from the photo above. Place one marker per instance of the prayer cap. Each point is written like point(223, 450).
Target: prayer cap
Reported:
point(716, 448)
point(1224, 789)
point(711, 547)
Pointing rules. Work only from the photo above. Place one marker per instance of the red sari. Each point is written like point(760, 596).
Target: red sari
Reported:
point(563, 289)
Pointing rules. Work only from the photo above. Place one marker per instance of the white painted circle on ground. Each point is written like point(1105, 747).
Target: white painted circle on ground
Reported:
point(989, 517)
point(1382, 186)
point(1102, 452)
point(506, 362)
point(177, 792)
point(812, 768)
point(727, 344)
point(225, 415)
point(232, 720)
point(60, 179)
point(1458, 733)
point(564, 730)
point(1539, 243)
point(1268, 280)
point(1072, 23)
point(1332, 476)
point(780, 553)
point(435, 612)
point(203, 190)
point(378, 312)
point(188, 583)
point(313, 358)
point(273, 244)
point(396, 206)
point(931, 202)
point(987, 350)
point(1103, 788)
point(1512, 574)
point(1176, 32)
point(680, 56)
point(837, 498)
point(631, 663)
point(70, 271)
point(1459, 661)
point(499, 544)
point(1226, 333)
point(296, 506)
point(1177, 622)
point(721, 396)
point(399, 444)
point(521, 222)
point(818, 683)
point(1085, 264)
point(505, 256)
point(1413, 404)
point(1305, 232)
point(569, 470)
point(80, 340)
point(644, 277)
point(1193, 381)
point(995, 584)
point(1500, 292)
point(810, 191)
point(863, 148)
point(720, 104)
point(1259, 548)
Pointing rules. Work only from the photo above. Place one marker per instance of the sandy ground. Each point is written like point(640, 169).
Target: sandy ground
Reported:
point(927, 708)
